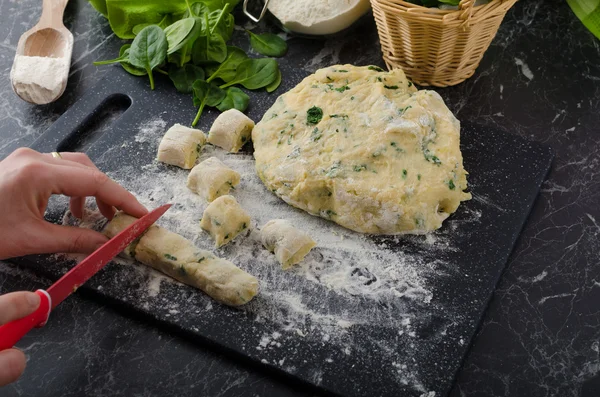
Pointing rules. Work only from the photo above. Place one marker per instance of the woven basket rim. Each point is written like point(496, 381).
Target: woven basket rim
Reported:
point(445, 15)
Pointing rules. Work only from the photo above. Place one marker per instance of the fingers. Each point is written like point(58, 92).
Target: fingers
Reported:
point(65, 239)
point(75, 175)
point(17, 305)
point(83, 182)
point(12, 365)
point(78, 203)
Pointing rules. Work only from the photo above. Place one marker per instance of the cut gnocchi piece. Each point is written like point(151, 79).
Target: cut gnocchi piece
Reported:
point(224, 219)
point(119, 222)
point(180, 259)
point(212, 178)
point(231, 130)
point(289, 244)
point(180, 146)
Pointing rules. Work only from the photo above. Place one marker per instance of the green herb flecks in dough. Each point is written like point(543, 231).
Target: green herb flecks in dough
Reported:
point(314, 115)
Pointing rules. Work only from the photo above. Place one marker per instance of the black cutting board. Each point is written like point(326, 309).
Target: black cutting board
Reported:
point(413, 357)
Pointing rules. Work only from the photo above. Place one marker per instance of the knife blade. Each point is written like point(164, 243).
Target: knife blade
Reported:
point(12, 332)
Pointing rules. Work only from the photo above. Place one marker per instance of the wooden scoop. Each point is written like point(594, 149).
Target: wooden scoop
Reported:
point(42, 81)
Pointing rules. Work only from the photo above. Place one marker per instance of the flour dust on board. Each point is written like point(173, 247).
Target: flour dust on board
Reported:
point(348, 280)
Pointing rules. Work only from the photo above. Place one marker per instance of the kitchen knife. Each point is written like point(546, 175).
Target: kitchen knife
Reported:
point(13, 331)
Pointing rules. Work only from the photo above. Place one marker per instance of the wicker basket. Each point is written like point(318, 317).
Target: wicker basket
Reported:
point(437, 47)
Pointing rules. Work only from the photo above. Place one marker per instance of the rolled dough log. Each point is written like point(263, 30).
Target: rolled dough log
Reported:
point(119, 222)
point(180, 259)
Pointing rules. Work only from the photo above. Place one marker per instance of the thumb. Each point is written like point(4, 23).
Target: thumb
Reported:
point(73, 239)
point(12, 365)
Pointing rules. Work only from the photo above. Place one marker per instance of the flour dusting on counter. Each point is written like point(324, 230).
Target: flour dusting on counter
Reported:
point(349, 283)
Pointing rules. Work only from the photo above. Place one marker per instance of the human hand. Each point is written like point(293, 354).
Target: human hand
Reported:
point(29, 178)
point(14, 306)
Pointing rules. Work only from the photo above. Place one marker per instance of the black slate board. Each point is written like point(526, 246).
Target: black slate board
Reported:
point(505, 176)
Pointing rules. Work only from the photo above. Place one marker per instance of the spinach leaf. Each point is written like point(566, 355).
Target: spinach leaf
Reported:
point(149, 50)
point(314, 115)
point(206, 94)
point(178, 32)
point(235, 99)
point(166, 21)
point(124, 51)
point(122, 58)
point(209, 47)
point(268, 44)
point(184, 54)
point(221, 22)
point(226, 70)
point(219, 4)
point(273, 86)
point(184, 77)
point(255, 73)
point(197, 10)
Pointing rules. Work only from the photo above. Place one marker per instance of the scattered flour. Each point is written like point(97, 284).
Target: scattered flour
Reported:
point(149, 130)
point(348, 282)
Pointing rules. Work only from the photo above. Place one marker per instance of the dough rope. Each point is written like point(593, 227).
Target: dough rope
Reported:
point(180, 259)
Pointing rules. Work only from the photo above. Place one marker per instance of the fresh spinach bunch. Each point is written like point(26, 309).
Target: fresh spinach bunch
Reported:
point(189, 44)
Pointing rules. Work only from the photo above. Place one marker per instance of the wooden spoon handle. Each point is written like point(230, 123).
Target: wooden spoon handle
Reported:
point(52, 14)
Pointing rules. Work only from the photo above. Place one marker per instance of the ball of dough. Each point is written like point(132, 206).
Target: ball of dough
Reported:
point(363, 148)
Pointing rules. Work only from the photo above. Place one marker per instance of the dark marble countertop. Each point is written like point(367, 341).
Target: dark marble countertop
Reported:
point(541, 335)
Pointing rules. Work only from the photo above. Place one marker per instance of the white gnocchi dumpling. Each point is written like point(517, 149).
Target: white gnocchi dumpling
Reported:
point(180, 146)
point(231, 130)
point(212, 178)
point(289, 244)
point(224, 219)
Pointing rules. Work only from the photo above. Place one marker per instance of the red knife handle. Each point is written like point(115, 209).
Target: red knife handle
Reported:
point(11, 333)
